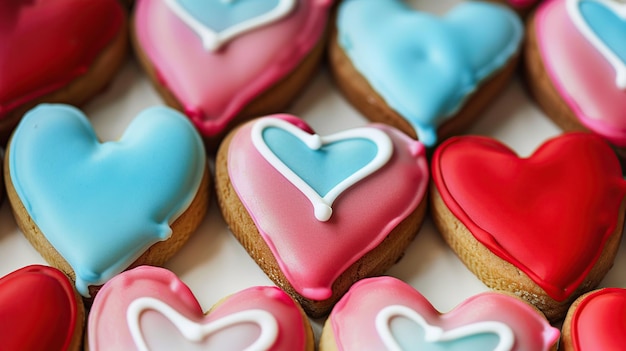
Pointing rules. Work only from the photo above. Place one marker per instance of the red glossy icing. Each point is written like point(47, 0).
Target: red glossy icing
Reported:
point(38, 310)
point(599, 322)
point(555, 209)
point(45, 44)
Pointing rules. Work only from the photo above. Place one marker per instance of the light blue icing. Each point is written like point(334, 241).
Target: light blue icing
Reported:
point(410, 337)
point(222, 14)
point(324, 168)
point(607, 25)
point(101, 205)
point(425, 66)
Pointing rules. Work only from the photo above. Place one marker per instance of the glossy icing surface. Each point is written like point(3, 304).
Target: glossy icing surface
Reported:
point(161, 313)
point(101, 205)
point(422, 65)
point(38, 310)
point(385, 313)
point(67, 34)
point(217, 22)
point(603, 23)
point(346, 157)
point(401, 328)
point(556, 208)
point(599, 322)
point(593, 95)
point(213, 86)
point(296, 237)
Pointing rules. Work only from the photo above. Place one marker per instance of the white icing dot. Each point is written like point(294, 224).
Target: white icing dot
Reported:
point(322, 212)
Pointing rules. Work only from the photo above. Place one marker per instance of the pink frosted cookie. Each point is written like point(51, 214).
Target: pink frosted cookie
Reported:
point(40, 310)
point(57, 51)
point(222, 62)
point(318, 213)
point(385, 313)
point(576, 65)
point(149, 308)
point(559, 217)
point(596, 321)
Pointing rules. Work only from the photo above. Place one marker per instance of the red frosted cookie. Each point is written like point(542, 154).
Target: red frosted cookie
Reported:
point(596, 321)
point(385, 313)
point(222, 62)
point(576, 66)
point(57, 51)
point(39, 310)
point(318, 213)
point(149, 307)
point(546, 227)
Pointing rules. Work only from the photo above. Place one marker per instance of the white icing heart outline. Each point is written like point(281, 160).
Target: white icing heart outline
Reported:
point(322, 205)
point(435, 334)
point(213, 40)
point(195, 332)
point(620, 10)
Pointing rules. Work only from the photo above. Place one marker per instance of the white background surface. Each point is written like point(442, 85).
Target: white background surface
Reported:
point(214, 264)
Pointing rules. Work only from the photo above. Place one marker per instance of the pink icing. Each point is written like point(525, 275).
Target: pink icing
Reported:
point(108, 329)
point(582, 76)
point(213, 87)
point(352, 319)
point(311, 253)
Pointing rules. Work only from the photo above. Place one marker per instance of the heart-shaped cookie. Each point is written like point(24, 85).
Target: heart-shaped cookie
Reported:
point(40, 310)
point(418, 71)
point(92, 208)
point(365, 228)
point(46, 45)
point(258, 46)
point(149, 308)
point(576, 64)
point(385, 313)
point(596, 321)
point(559, 214)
